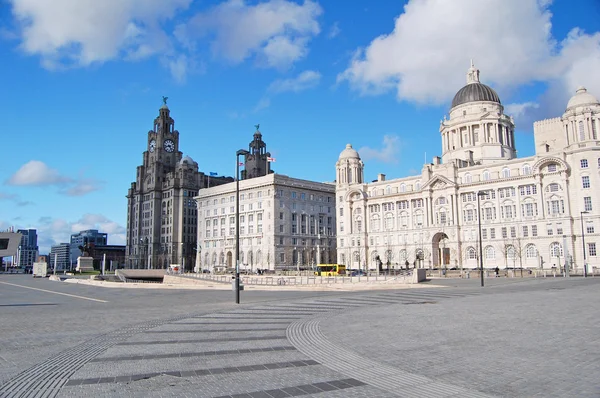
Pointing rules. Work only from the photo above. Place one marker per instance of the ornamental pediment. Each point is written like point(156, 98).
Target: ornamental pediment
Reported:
point(438, 182)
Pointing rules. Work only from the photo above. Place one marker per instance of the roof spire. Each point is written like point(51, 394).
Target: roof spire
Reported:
point(472, 74)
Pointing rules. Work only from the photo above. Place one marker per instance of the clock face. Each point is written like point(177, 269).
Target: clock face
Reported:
point(152, 146)
point(169, 146)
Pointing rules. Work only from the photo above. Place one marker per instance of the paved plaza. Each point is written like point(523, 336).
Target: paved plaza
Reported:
point(447, 338)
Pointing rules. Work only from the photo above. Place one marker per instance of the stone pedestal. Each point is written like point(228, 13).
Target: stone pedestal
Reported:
point(85, 264)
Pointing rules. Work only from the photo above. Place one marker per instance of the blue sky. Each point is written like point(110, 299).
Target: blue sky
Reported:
point(83, 82)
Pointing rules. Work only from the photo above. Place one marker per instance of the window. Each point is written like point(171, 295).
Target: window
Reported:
point(530, 251)
point(589, 227)
point(486, 175)
point(559, 229)
point(556, 206)
point(553, 187)
point(484, 233)
point(552, 168)
point(549, 229)
point(581, 131)
point(526, 169)
point(594, 131)
point(583, 163)
point(587, 203)
point(585, 181)
point(513, 232)
point(403, 188)
point(341, 211)
point(490, 253)
point(504, 233)
point(492, 233)
point(525, 231)
point(471, 253)
point(468, 178)
point(534, 230)
point(505, 173)
point(592, 249)
point(556, 250)
point(528, 190)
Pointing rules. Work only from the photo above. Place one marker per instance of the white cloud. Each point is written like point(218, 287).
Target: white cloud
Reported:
point(388, 153)
point(52, 231)
point(83, 32)
point(37, 173)
point(264, 103)
point(334, 30)
point(82, 187)
point(276, 32)
point(425, 58)
point(305, 80)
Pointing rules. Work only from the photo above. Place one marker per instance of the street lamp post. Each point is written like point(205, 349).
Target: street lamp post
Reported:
point(583, 243)
point(480, 193)
point(237, 222)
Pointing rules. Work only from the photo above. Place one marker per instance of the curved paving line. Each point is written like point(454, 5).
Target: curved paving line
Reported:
point(306, 336)
point(48, 377)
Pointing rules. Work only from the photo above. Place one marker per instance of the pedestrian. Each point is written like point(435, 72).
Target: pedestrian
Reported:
point(497, 271)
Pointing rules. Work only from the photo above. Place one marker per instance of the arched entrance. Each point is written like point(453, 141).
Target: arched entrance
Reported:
point(439, 252)
point(229, 260)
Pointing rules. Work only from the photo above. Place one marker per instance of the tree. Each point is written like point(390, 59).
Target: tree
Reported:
point(519, 250)
point(504, 248)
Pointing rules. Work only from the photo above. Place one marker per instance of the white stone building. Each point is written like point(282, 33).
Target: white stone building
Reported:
point(285, 223)
point(534, 210)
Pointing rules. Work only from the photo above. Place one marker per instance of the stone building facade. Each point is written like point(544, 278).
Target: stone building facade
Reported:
point(535, 212)
point(161, 212)
point(285, 222)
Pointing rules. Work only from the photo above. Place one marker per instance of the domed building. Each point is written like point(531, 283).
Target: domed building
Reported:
point(538, 212)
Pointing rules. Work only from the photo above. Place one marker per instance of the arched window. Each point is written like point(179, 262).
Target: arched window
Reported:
point(556, 249)
point(418, 185)
point(530, 251)
point(511, 253)
point(373, 192)
point(214, 258)
point(581, 131)
point(403, 188)
point(356, 256)
point(468, 178)
point(486, 175)
point(471, 253)
point(526, 170)
point(222, 258)
point(388, 190)
point(505, 172)
point(343, 258)
point(403, 256)
point(490, 253)
point(375, 223)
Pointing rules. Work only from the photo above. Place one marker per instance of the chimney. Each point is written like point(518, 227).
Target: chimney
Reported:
point(380, 177)
point(437, 160)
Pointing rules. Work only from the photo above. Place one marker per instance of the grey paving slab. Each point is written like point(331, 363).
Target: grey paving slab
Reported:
point(535, 339)
point(418, 342)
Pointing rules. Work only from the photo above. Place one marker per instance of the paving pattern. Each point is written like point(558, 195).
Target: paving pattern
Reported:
point(323, 346)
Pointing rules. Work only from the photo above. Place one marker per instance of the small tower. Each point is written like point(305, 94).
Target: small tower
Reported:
point(349, 167)
point(256, 163)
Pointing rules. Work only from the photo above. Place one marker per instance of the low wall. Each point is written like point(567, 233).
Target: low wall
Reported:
point(141, 273)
